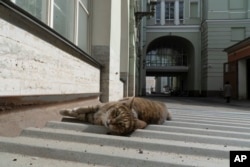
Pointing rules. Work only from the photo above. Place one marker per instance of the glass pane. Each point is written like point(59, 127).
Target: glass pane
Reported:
point(172, 10)
point(64, 18)
point(166, 57)
point(158, 12)
point(169, 11)
point(37, 8)
point(83, 29)
point(85, 3)
point(181, 9)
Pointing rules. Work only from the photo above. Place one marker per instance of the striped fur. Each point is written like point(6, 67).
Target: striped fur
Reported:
point(124, 116)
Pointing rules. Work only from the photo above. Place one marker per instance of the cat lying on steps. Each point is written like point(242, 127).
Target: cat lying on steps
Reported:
point(124, 116)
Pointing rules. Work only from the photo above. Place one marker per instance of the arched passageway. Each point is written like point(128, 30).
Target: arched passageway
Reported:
point(167, 65)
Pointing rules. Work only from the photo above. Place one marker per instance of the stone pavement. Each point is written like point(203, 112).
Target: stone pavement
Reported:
point(202, 133)
point(234, 105)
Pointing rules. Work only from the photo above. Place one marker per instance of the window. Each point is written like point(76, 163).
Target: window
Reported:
point(170, 11)
point(63, 20)
point(83, 26)
point(37, 8)
point(181, 11)
point(158, 12)
point(70, 18)
point(194, 9)
point(84, 2)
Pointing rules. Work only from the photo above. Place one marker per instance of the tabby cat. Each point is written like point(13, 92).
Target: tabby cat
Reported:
point(124, 116)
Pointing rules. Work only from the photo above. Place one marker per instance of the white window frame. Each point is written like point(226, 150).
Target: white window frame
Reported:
point(76, 31)
point(182, 21)
point(50, 13)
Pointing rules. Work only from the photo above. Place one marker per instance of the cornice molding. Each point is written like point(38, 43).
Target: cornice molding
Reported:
point(180, 28)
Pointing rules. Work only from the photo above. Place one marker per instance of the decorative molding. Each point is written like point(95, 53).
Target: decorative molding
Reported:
point(181, 28)
point(231, 21)
point(167, 69)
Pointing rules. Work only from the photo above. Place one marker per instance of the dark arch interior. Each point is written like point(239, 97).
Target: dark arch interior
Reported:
point(174, 42)
point(165, 56)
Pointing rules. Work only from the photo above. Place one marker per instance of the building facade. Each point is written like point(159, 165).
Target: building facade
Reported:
point(183, 44)
point(67, 48)
point(90, 47)
point(237, 69)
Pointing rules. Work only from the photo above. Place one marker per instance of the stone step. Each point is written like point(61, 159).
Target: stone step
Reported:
point(21, 160)
point(208, 126)
point(153, 144)
point(214, 117)
point(218, 121)
point(163, 133)
point(100, 154)
point(200, 131)
point(196, 138)
point(210, 114)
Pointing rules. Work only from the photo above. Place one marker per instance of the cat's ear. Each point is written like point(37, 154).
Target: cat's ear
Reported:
point(131, 102)
point(128, 102)
point(139, 124)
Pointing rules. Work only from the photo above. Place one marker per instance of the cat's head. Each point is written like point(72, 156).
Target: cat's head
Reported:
point(121, 120)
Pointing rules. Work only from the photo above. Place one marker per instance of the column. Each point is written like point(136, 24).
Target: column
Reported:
point(158, 85)
point(162, 12)
point(176, 13)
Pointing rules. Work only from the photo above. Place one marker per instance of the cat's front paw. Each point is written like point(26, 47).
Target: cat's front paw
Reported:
point(68, 112)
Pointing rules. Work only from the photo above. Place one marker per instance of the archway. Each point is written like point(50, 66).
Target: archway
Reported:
point(168, 63)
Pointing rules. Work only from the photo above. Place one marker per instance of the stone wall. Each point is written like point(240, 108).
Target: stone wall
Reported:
point(31, 66)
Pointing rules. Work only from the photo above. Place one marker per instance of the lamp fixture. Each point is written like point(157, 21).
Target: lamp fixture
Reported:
point(150, 6)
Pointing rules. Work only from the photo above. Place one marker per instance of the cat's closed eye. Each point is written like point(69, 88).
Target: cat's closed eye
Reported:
point(115, 113)
point(121, 124)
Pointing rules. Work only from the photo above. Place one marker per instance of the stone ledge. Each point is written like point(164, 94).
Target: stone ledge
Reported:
point(11, 102)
